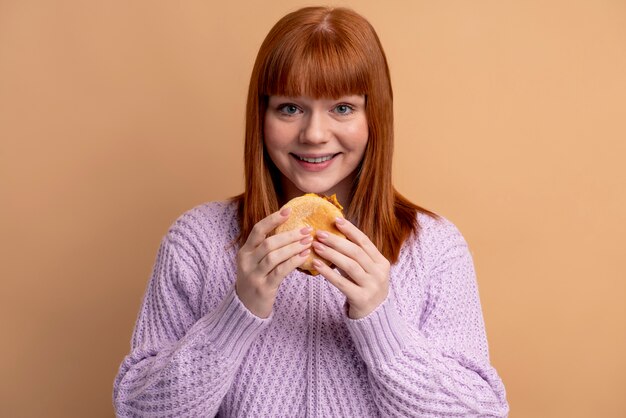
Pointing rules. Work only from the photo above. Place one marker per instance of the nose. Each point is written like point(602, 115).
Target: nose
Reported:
point(314, 129)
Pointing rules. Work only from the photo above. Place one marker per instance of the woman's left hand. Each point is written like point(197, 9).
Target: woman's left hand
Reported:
point(366, 280)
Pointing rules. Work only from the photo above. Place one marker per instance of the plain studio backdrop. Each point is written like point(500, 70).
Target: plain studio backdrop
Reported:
point(116, 117)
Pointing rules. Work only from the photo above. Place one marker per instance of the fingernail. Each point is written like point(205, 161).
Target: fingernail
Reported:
point(322, 234)
point(340, 221)
point(305, 253)
point(285, 211)
point(306, 240)
point(318, 246)
point(306, 230)
point(317, 263)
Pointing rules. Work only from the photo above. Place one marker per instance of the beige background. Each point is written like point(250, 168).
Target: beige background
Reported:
point(115, 117)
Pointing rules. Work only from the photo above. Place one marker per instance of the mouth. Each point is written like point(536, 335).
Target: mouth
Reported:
point(314, 162)
point(314, 159)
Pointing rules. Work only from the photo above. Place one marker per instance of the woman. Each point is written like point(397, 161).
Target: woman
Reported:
point(228, 327)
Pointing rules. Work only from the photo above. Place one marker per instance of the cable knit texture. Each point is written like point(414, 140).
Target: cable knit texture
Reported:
point(197, 351)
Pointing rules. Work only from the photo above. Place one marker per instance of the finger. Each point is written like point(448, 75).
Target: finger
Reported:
point(280, 255)
point(281, 271)
point(343, 284)
point(352, 268)
point(266, 225)
point(357, 236)
point(347, 248)
point(280, 240)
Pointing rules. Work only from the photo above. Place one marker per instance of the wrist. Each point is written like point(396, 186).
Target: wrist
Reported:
point(381, 335)
point(253, 303)
point(357, 312)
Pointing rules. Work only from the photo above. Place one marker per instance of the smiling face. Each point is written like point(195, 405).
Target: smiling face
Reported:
point(316, 144)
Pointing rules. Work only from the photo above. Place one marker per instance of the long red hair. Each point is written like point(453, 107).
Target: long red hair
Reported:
point(328, 52)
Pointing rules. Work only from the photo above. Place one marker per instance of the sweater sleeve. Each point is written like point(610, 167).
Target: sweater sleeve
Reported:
point(180, 365)
point(441, 369)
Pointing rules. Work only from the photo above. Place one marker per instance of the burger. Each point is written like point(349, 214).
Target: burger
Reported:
point(318, 212)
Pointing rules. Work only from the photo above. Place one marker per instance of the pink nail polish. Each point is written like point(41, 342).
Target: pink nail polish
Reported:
point(340, 221)
point(306, 230)
point(321, 234)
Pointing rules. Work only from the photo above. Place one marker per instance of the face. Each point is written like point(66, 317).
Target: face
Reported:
point(316, 144)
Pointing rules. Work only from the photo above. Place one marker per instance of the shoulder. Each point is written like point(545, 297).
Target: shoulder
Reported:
point(438, 230)
point(216, 220)
point(437, 238)
point(429, 261)
point(200, 241)
point(202, 232)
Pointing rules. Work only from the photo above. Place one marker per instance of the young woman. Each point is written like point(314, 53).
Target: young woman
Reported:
point(229, 327)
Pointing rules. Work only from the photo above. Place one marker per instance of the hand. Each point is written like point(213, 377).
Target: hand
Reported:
point(263, 262)
point(366, 270)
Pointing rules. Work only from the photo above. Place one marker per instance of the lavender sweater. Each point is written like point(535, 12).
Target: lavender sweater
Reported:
point(197, 351)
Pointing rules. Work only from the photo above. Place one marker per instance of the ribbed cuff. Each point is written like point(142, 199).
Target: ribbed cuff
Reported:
point(232, 327)
point(381, 335)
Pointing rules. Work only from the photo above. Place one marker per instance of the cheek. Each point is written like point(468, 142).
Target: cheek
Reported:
point(271, 137)
point(359, 135)
point(277, 134)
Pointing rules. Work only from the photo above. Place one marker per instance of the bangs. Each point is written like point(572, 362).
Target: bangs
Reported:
point(320, 66)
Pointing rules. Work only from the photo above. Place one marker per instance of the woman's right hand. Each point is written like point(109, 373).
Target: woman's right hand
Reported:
point(263, 262)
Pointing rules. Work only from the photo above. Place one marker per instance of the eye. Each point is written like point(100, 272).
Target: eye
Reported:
point(288, 109)
point(343, 109)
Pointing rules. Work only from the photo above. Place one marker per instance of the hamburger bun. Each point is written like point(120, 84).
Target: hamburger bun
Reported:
point(318, 212)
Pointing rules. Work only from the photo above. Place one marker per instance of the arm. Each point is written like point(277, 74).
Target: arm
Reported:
point(180, 365)
point(439, 370)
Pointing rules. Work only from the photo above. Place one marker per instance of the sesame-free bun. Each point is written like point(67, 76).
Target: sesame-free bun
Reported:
point(318, 212)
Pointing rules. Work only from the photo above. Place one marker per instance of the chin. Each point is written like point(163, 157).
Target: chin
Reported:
point(325, 188)
point(321, 190)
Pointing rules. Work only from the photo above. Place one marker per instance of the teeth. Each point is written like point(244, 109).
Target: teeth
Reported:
point(315, 160)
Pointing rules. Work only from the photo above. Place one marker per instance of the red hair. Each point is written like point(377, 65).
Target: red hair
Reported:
point(328, 52)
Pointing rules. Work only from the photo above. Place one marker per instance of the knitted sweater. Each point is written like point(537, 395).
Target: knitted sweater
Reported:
point(197, 351)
